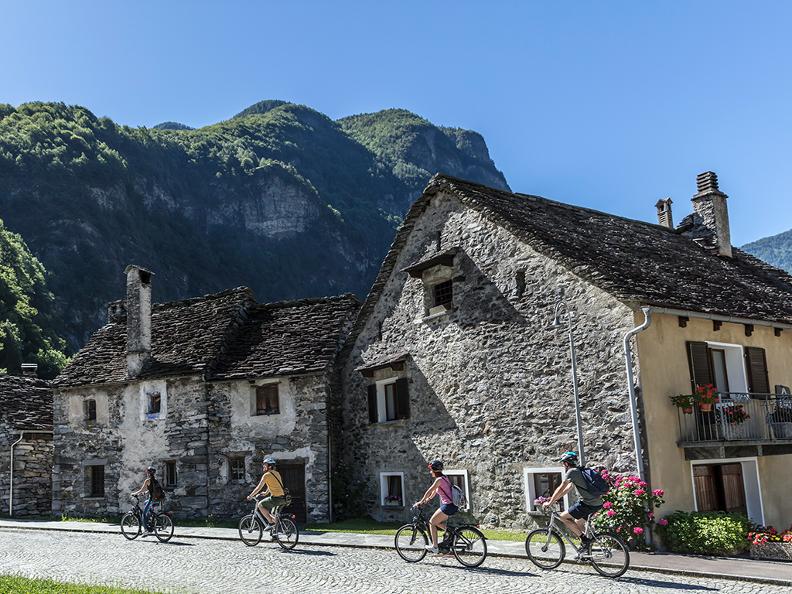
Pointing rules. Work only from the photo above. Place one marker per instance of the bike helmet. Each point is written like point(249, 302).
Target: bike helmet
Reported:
point(569, 456)
point(435, 465)
point(151, 469)
point(269, 461)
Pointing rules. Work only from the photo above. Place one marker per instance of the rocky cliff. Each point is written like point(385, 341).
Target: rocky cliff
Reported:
point(280, 198)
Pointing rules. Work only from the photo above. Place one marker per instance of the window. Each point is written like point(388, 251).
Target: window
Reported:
point(442, 294)
point(170, 475)
point(459, 478)
point(389, 400)
point(153, 405)
point(267, 400)
point(541, 482)
point(94, 477)
point(236, 469)
point(392, 489)
point(89, 410)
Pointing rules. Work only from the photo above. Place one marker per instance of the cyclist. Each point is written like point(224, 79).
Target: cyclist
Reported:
point(272, 485)
point(588, 502)
point(154, 490)
point(441, 486)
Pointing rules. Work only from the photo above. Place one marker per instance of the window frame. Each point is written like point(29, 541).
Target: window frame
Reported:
point(170, 465)
point(435, 289)
point(231, 469)
point(530, 489)
point(383, 480)
point(87, 410)
point(91, 481)
point(381, 387)
point(266, 411)
point(465, 483)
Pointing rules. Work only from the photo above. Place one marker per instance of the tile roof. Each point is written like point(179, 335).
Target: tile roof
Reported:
point(637, 262)
point(224, 333)
point(291, 337)
point(25, 403)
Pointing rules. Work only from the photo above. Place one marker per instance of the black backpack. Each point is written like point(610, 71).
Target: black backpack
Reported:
point(595, 484)
point(156, 490)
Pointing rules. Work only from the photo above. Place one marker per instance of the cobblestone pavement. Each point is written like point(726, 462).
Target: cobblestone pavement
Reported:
point(217, 566)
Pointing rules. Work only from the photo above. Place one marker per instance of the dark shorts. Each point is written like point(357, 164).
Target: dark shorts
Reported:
point(272, 501)
point(449, 509)
point(582, 510)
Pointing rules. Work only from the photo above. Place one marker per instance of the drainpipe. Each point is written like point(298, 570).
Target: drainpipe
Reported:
point(628, 360)
point(11, 478)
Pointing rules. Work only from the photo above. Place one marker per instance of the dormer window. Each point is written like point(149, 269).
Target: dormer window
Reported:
point(437, 275)
point(442, 294)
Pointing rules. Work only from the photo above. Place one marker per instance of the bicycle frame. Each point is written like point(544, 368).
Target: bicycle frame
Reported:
point(555, 523)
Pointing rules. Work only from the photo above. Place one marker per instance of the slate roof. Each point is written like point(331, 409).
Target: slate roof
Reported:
point(639, 263)
point(223, 335)
point(291, 337)
point(25, 403)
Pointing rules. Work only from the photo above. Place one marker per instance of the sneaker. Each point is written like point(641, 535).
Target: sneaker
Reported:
point(432, 549)
point(146, 533)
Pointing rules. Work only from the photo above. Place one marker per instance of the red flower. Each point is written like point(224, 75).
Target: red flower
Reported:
point(662, 522)
point(607, 505)
point(658, 492)
point(638, 492)
point(638, 530)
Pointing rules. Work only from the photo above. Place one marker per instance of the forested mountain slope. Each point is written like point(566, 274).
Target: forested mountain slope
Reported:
point(280, 198)
point(777, 250)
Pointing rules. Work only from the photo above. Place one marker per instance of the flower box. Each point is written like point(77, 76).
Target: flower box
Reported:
point(776, 551)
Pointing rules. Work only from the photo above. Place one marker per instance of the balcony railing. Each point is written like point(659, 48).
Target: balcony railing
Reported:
point(739, 416)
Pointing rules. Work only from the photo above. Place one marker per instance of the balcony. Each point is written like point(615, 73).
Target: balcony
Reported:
point(738, 418)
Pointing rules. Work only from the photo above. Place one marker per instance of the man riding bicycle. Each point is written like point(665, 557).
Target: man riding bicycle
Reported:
point(272, 485)
point(588, 502)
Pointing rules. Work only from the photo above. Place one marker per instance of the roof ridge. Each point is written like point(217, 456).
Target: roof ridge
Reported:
point(306, 301)
point(202, 298)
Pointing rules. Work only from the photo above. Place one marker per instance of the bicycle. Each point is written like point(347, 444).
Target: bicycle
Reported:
point(284, 531)
point(606, 551)
point(466, 542)
point(160, 523)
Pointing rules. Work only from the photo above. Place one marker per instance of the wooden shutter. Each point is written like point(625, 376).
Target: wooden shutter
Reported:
point(756, 363)
point(402, 399)
point(700, 364)
point(372, 403)
point(733, 488)
point(706, 489)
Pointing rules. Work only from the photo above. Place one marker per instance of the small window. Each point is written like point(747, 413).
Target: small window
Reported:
point(389, 400)
point(170, 475)
point(267, 400)
point(236, 467)
point(541, 483)
point(392, 489)
point(89, 410)
point(459, 478)
point(95, 480)
point(153, 404)
point(443, 293)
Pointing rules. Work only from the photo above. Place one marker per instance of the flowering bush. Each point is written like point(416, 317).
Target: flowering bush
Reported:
point(540, 501)
point(764, 534)
point(629, 508)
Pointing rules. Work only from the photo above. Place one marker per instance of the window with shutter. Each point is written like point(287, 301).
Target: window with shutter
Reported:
point(372, 404)
point(756, 363)
point(402, 399)
point(700, 364)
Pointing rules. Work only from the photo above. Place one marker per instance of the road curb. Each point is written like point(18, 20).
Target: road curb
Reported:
point(640, 568)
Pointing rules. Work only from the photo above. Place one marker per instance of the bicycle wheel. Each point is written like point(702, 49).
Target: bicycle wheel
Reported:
point(130, 526)
point(250, 530)
point(469, 546)
point(609, 555)
point(163, 527)
point(545, 548)
point(286, 534)
point(410, 543)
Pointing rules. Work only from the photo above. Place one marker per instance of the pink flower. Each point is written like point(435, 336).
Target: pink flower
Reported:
point(638, 492)
point(610, 513)
point(658, 492)
point(662, 522)
point(607, 505)
point(638, 530)
point(618, 529)
point(650, 515)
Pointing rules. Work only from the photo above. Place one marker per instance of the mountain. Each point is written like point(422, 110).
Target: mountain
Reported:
point(280, 198)
point(28, 327)
point(172, 126)
point(776, 249)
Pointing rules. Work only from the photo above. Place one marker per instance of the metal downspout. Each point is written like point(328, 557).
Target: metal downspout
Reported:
point(628, 359)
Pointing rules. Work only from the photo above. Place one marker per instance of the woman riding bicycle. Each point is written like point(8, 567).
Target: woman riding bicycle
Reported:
point(155, 493)
point(443, 488)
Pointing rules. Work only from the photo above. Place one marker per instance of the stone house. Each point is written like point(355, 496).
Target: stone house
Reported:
point(454, 356)
point(202, 389)
point(26, 450)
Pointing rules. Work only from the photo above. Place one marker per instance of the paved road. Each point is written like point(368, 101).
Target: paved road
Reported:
point(218, 566)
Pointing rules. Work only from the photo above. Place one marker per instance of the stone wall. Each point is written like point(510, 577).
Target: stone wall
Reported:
point(32, 472)
point(489, 382)
point(297, 434)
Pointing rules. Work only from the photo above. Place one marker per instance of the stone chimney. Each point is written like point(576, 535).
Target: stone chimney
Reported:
point(710, 204)
point(138, 318)
point(30, 369)
point(664, 216)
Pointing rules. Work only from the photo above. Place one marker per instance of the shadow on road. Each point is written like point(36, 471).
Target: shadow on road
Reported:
point(663, 584)
point(491, 570)
point(309, 552)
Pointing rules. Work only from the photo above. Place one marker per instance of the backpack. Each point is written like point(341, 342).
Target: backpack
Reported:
point(595, 484)
point(157, 492)
point(457, 495)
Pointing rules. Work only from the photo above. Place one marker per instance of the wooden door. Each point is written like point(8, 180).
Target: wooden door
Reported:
point(706, 488)
point(293, 475)
point(733, 488)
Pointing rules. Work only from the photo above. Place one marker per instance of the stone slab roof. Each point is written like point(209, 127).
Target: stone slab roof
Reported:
point(639, 263)
point(291, 337)
point(220, 335)
point(25, 403)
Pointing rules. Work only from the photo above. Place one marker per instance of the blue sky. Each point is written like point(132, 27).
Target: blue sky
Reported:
point(610, 105)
